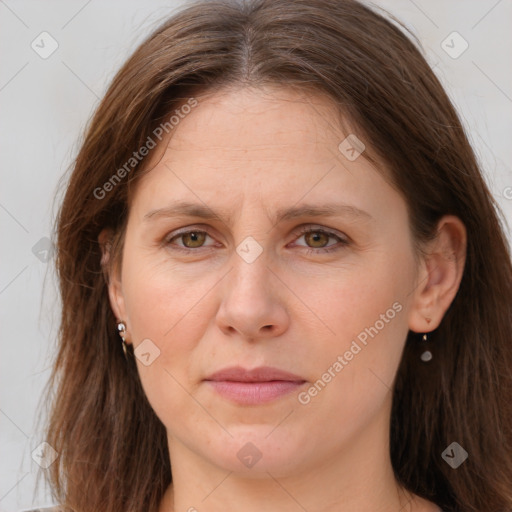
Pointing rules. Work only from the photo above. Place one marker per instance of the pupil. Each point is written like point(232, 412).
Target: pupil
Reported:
point(316, 237)
point(194, 238)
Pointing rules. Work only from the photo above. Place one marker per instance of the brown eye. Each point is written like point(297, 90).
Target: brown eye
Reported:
point(187, 240)
point(193, 239)
point(317, 239)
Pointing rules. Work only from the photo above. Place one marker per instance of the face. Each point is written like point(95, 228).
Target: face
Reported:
point(322, 292)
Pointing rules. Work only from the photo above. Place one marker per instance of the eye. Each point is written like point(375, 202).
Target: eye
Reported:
point(193, 239)
point(318, 238)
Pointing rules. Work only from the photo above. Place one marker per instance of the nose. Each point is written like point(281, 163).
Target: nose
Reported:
point(253, 301)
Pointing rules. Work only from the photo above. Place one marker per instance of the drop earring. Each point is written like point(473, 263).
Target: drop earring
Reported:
point(426, 356)
point(121, 327)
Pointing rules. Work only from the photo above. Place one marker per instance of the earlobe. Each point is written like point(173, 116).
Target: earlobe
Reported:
point(116, 298)
point(440, 275)
point(111, 274)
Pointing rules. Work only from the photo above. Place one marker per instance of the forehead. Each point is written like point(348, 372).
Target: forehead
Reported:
point(264, 147)
point(263, 119)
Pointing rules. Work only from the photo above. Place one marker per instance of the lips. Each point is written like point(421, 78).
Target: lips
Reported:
point(253, 387)
point(261, 374)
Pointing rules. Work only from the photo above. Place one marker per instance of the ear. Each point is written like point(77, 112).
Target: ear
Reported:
point(439, 276)
point(112, 275)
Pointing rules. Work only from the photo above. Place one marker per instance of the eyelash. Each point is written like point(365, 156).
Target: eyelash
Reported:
point(303, 230)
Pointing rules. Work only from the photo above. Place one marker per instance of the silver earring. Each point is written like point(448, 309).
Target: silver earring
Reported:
point(427, 355)
point(121, 327)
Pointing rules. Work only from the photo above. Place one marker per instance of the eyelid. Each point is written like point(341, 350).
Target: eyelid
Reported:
point(298, 232)
point(183, 231)
point(343, 240)
point(307, 228)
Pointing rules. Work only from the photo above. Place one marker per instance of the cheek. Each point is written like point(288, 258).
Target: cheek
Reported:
point(364, 302)
point(161, 299)
point(356, 366)
point(169, 308)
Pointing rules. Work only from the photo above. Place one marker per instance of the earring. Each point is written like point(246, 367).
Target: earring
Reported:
point(121, 327)
point(427, 355)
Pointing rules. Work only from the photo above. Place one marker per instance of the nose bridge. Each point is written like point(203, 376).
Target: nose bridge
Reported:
point(250, 304)
point(252, 257)
point(252, 253)
point(251, 267)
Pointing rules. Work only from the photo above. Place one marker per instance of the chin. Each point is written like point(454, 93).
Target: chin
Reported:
point(255, 453)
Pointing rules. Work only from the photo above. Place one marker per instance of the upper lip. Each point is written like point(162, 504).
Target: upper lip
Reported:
point(260, 374)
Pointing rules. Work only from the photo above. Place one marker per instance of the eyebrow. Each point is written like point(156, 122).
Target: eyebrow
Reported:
point(187, 209)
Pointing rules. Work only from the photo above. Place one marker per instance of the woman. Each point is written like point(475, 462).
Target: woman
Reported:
point(284, 282)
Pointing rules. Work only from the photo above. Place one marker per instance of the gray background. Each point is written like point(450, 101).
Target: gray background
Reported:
point(45, 103)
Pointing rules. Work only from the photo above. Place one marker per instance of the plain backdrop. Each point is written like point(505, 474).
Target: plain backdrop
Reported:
point(46, 102)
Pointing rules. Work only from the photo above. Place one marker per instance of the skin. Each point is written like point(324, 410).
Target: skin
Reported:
point(245, 153)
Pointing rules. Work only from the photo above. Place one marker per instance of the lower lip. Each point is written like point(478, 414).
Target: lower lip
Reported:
point(253, 393)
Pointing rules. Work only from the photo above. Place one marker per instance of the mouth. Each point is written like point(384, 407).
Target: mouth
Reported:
point(253, 387)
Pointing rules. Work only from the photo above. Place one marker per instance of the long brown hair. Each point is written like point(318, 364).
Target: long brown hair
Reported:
point(113, 453)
